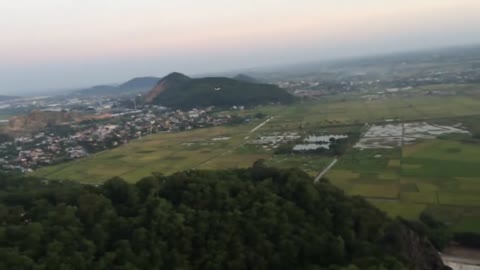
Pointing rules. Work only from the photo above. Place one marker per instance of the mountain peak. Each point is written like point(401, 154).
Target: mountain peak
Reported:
point(176, 76)
point(172, 80)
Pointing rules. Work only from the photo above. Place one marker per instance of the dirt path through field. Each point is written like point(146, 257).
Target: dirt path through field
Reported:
point(325, 170)
point(262, 124)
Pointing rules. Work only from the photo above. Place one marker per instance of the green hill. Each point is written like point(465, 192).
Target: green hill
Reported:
point(256, 218)
point(179, 91)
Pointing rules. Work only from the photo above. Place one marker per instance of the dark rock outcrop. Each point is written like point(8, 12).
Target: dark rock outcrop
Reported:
point(414, 248)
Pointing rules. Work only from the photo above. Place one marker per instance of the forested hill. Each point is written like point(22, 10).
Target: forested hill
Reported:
point(257, 218)
point(179, 91)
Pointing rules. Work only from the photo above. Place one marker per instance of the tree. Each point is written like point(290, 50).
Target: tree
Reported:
point(255, 218)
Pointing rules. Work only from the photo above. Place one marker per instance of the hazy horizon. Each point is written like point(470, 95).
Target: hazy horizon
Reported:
point(60, 44)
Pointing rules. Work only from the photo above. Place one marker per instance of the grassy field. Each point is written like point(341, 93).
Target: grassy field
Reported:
point(341, 111)
point(441, 176)
point(165, 153)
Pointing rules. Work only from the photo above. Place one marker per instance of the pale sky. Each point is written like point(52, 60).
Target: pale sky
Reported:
point(55, 44)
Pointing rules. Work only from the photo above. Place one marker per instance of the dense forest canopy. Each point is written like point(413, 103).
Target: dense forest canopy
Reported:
point(256, 218)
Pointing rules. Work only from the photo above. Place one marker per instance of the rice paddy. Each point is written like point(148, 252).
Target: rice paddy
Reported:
point(402, 167)
point(426, 176)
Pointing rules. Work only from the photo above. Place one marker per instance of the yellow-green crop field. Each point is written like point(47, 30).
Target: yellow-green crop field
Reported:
point(441, 176)
point(425, 176)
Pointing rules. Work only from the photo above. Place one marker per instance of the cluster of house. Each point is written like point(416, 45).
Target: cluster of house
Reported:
point(27, 153)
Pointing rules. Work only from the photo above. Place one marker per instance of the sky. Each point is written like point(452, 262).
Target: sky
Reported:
point(67, 44)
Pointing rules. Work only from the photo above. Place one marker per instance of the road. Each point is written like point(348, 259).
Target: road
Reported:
point(261, 125)
point(325, 170)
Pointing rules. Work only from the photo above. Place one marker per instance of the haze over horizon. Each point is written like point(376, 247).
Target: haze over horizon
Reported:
point(60, 44)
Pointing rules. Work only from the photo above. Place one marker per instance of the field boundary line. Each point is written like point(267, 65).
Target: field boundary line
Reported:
point(335, 160)
point(261, 125)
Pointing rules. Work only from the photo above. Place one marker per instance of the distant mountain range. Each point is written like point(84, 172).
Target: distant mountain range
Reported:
point(180, 91)
point(133, 86)
point(246, 78)
point(5, 98)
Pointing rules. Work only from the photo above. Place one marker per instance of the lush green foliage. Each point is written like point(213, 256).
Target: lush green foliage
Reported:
point(436, 231)
point(257, 218)
point(468, 239)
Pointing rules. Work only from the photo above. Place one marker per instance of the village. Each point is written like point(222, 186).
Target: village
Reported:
point(56, 144)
